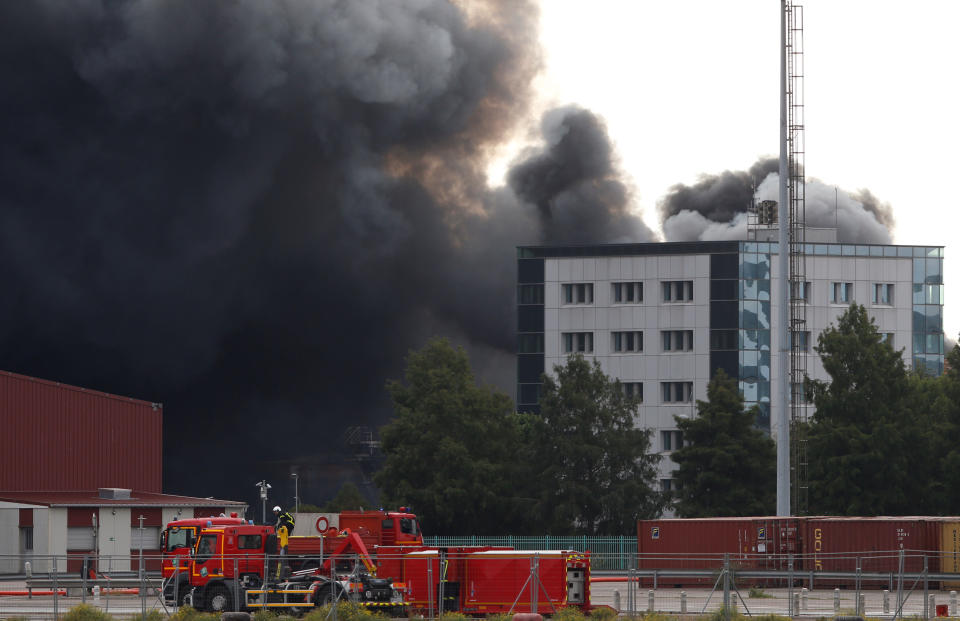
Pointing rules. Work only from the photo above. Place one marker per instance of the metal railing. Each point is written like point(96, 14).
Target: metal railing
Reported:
point(887, 585)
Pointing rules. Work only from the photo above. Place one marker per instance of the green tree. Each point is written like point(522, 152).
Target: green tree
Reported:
point(726, 465)
point(348, 498)
point(595, 472)
point(451, 446)
point(939, 400)
point(862, 442)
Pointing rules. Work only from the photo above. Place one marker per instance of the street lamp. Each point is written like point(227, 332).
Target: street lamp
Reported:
point(264, 486)
point(296, 492)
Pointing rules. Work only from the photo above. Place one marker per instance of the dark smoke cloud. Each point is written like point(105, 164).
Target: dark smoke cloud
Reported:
point(575, 184)
point(716, 207)
point(252, 211)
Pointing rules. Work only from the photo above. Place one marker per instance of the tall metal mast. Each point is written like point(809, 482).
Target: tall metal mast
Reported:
point(783, 393)
point(791, 456)
point(798, 286)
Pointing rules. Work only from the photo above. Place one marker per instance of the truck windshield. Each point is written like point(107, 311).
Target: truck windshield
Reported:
point(206, 548)
point(179, 538)
point(408, 526)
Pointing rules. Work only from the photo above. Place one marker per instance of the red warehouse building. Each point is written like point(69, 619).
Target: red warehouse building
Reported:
point(78, 468)
point(60, 437)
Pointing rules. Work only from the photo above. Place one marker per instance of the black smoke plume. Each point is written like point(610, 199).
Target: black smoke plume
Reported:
point(716, 207)
point(251, 211)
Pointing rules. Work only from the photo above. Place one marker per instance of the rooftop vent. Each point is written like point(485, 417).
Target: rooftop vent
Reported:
point(114, 493)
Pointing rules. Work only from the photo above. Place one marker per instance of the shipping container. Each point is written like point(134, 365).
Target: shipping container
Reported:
point(62, 438)
point(750, 542)
point(841, 543)
point(872, 545)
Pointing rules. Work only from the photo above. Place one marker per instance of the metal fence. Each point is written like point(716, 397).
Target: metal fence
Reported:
point(885, 585)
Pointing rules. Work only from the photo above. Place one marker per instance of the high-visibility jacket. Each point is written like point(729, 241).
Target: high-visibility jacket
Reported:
point(285, 519)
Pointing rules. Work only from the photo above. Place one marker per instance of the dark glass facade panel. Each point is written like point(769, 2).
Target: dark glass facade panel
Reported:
point(530, 294)
point(726, 360)
point(724, 314)
point(530, 318)
point(723, 289)
point(530, 343)
point(530, 271)
point(723, 339)
point(528, 393)
point(724, 265)
point(529, 368)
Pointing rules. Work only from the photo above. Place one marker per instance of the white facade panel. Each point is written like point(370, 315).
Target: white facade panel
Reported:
point(9, 540)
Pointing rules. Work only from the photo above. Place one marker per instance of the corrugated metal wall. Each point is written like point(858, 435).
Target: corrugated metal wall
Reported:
point(63, 438)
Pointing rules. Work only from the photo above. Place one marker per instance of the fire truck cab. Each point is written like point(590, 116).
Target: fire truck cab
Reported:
point(176, 544)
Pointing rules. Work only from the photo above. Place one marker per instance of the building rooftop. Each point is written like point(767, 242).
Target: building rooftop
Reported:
point(94, 498)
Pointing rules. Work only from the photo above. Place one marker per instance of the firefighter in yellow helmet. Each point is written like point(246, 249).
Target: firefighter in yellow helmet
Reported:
point(284, 528)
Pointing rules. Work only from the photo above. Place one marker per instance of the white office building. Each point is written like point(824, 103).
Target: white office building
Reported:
point(663, 317)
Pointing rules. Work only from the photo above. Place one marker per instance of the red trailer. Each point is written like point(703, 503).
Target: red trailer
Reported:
point(488, 580)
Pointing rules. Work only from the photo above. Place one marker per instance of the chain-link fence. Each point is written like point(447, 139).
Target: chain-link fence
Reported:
point(479, 580)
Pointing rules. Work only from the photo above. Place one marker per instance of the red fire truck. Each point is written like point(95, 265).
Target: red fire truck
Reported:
point(375, 528)
point(238, 567)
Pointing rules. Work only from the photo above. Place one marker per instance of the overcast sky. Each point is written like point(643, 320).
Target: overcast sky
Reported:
point(688, 88)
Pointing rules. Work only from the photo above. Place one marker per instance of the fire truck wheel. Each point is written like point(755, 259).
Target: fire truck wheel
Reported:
point(218, 599)
point(324, 596)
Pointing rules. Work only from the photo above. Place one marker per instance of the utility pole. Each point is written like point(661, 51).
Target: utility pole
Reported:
point(264, 486)
point(143, 590)
point(296, 492)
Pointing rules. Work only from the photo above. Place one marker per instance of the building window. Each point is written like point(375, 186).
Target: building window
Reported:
point(677, 290)
point(577, 293)
point(627, 292)
point(800, 290)
point(677, 340)
point(671, 440)
point(677, 392)
point(666, 485)
point(577, 342)
point(886, 337)
point(26, 538)
point(883, 294)
point(633, 390)
point(627, 341)
point(842, 293)
point(802, 340)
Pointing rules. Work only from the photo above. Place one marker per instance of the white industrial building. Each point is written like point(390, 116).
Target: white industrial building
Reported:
point(663, 317)
point(102, 526)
